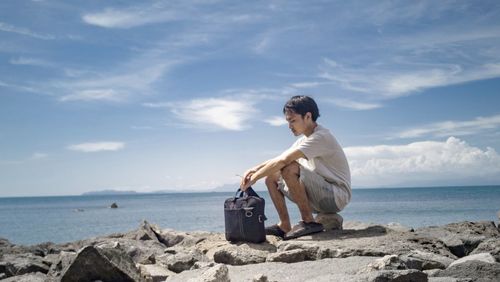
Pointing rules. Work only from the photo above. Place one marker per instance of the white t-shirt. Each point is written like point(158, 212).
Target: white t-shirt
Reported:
point(326, 158)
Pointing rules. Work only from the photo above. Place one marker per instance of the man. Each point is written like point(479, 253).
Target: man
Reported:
point(313, 172)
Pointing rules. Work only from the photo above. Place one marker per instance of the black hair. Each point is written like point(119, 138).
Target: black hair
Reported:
point(301, 105)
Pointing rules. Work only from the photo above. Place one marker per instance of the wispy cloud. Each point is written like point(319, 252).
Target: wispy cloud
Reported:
point(456, 128)
point(92, 147)
point(93, 95)
point(427, 161)
point(130, 17)
point(214, 113)
point(344, 103)
point(276, 121)
point(30, 62)
point(24, 31)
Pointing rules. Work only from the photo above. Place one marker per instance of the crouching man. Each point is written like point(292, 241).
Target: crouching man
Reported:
point(313, 173)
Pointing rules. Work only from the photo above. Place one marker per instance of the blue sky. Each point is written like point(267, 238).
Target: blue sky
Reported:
point(154, 95)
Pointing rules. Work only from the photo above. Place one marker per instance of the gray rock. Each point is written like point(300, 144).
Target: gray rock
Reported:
point(154, 272)
point(180, 261)
point(98, 264)
point(389, 262)
point(399, 227)
point(425, 260)
point(491, 246)
point(19, 264)
point(218, 273)
point(288, 256)
point(409, 275)
point(144, 232)
point(474, 270)
point(63, 261)
point(114, 206)
point(239, 255)
point(483, 257)
point(30, 277)
point(330, 221)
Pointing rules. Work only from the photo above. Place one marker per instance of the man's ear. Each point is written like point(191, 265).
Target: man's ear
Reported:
point(308, 115)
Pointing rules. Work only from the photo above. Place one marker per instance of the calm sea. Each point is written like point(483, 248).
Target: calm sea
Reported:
point(32, 220)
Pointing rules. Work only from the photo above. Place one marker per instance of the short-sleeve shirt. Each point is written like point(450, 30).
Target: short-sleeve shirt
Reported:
point(325, 157)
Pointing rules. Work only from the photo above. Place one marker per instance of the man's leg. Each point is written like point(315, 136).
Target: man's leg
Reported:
point(278, 201)
point(291, 175)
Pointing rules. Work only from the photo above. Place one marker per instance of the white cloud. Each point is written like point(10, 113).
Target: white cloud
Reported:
point(276, 121)
point(221, 113)
point(30, 62)
point(354, 105)
point(97, 146)
point(452, 161)
point(131, 17)
point(457, 128)
point(93, 95)
point(24, 31)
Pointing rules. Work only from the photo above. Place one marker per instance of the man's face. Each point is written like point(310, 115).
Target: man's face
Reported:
point(296, 122)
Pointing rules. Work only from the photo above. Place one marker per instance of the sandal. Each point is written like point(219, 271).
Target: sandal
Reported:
point(304, 228)
point(275, 230)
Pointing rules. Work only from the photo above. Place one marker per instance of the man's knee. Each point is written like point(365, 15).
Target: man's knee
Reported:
point(291, 171)
point(272, 180)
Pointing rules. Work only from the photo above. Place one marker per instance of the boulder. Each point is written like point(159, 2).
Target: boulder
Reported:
point(19, 264)
point(114, 206)
point(290, 256)
point(389, 262)
point(491, 246)
point(63, 261)
point(180, 261)
point(421, 260)
point(218, 273)
point(154, 272)
point(483, 257)
point(144, 232)
point(93, 264)
point(239, 255)
point(409, 275)
point(474, 270)
point(29, 277)
point(330, 221)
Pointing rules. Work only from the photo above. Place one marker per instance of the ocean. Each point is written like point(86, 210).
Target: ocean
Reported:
point(33, 220)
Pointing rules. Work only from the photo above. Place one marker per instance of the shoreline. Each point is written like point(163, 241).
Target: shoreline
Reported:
point(359, 252)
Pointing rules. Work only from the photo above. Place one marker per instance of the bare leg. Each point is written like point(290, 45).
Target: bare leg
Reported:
point(278, 201)
point(291, 175)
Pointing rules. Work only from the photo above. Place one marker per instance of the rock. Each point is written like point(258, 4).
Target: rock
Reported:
point(98, 264)
point(239, 255)
point(180, 261)
point(476, 270)
point(154, 272)
point(491, 246)
point(421, 260)
point(399, 227)
point(260, 278)
point(484, 257)
point(19, 264)
point(30, 277)
point(288, 256)
point(144, 232)
point(114, 206)
point(63, 261)
point(330, 221)
point(389, 262)
point(218, 273)
point(409, 275)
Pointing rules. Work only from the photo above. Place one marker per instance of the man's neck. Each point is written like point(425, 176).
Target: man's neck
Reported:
point(310, 130)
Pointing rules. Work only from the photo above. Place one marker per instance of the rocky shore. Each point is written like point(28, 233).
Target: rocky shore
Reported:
point(463, 251)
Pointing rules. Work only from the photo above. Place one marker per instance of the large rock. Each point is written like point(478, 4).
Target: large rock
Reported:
point(19, 264)
point(93, 264)
point(474, 270)
point(491, 246)
point(389, 262)
point(409, 275)
point(330, 221)
point(288, 256)
point(425, 260)
point(30, 277)
point(64, 260)
point(145, 232)
point(483, 257)
point(218, 273)
point(239, 255)
point(180, 261)
point(154, 272)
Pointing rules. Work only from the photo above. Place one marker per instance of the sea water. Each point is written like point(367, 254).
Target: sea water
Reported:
point(32, 220)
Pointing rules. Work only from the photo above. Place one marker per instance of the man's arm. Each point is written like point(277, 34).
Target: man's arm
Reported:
point(271, 166)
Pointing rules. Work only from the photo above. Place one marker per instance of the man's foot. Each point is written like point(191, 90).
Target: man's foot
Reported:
point(275, 230)
point(304, 228)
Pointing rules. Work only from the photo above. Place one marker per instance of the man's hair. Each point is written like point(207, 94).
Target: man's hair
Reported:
point(301, 105)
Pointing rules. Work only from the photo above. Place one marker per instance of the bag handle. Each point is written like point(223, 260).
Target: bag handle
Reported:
point(248, 192)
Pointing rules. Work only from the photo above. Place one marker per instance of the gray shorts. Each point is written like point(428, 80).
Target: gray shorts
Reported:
point(321, 193)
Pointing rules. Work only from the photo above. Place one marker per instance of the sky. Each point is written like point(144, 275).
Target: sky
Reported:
point(185, 95)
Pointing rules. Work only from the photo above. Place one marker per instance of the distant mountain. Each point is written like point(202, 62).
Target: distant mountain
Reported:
point(109, 192)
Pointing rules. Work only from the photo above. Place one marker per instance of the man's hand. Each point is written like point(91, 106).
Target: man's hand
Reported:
point(246, 179)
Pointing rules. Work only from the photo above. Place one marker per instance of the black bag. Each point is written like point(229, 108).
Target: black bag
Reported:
point(244, 217)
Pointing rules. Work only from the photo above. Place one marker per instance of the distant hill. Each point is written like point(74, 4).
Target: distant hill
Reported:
point(109, 192)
